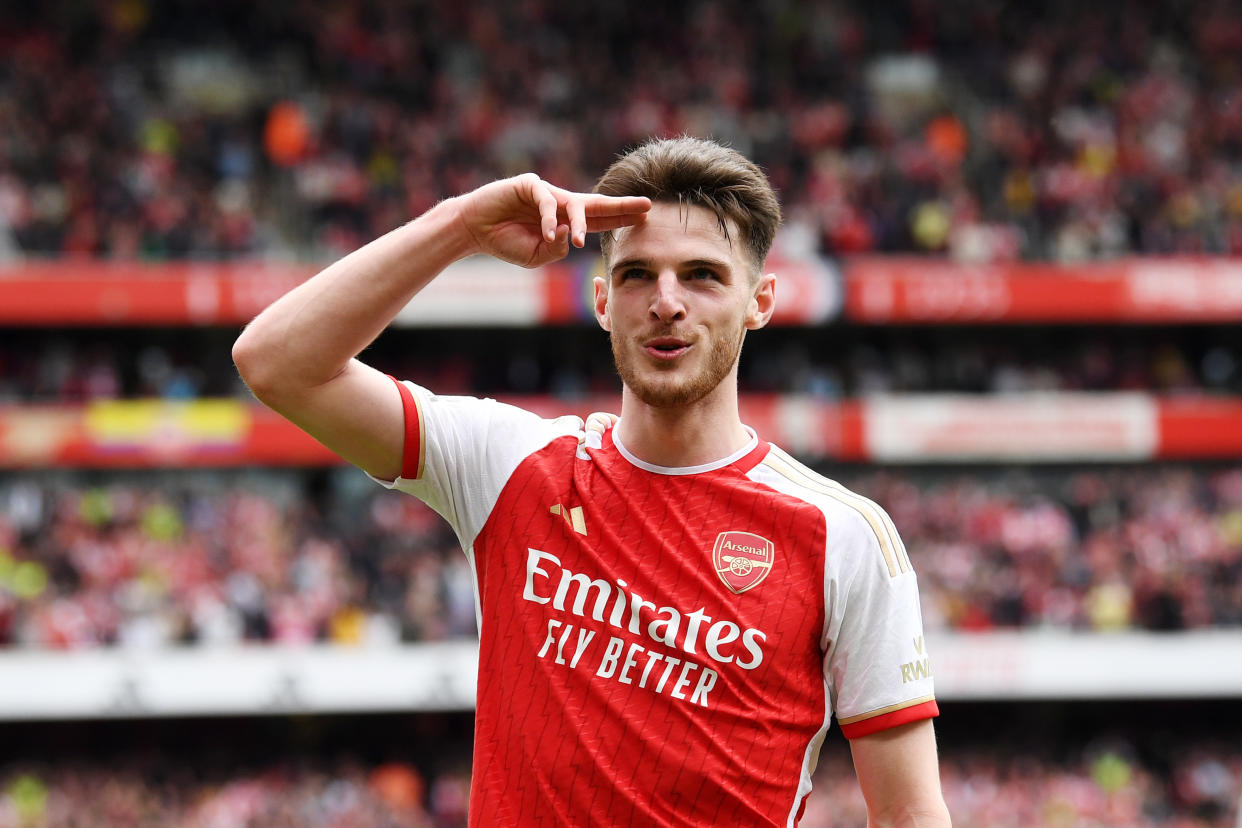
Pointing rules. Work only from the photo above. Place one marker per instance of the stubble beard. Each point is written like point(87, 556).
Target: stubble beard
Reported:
point(665, 391)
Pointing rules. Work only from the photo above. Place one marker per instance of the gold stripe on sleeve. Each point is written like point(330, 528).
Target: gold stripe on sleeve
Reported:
point(892, 708)
point(885, 533)
point(903, 559)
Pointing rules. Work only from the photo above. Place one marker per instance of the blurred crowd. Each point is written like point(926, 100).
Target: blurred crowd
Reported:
point(1106, 549)
point(1106, 788)
point(79, 794)
point(80, 366)
point(190, 559)
point(987, 131)
point(153, 563)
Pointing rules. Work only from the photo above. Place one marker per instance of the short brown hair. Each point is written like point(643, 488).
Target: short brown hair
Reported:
point(701, 173)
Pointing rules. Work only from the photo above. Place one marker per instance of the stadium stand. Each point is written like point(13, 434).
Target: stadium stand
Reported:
point(991, 131)
point(1008, 324)
point(220, 559)
point(1107, 788)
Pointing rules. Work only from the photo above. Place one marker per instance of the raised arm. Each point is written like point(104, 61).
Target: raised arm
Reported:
point(299, 355)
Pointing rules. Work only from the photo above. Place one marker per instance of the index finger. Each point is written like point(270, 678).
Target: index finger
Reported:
point(602, 205)
point(597, 204)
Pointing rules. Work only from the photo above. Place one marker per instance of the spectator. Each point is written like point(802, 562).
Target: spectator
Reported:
point(1062, 133)
point(133, 565)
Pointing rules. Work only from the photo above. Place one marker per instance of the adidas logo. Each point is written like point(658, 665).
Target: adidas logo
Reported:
point(573, 517)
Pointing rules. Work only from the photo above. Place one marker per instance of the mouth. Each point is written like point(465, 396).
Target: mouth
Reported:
point(665, 348)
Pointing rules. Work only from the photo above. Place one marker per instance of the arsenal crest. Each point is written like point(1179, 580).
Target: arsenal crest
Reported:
point(742, 559)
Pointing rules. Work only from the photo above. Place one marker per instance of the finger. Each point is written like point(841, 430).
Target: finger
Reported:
point(596, 204)
point(601, 205)
point(575, 211)
point(545, 201)
point(560, 239)
point(597, 224)
point(600, 421)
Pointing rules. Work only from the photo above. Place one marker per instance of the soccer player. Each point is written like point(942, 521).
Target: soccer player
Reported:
point(670, 609)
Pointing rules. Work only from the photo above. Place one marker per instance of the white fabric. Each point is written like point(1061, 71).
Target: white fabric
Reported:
point(472, 446)
point(874, 623)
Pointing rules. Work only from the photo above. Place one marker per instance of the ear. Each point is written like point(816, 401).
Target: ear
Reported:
point(601, 303)
point(762, 302)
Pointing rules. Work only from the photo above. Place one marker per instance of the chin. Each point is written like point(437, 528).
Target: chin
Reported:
point(670, 394)
point(675, 386)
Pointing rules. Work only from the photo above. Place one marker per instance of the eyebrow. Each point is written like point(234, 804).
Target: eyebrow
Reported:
point(646, 264)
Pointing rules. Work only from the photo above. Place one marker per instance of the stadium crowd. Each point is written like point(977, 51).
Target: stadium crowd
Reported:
point(148, 795)
point(986, 130)
point(148, 564)
point(81, 366)
point(982, 131)
point(198, 560)
point(1107, 788)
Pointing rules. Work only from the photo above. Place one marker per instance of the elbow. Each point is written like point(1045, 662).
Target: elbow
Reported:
point(254, 365)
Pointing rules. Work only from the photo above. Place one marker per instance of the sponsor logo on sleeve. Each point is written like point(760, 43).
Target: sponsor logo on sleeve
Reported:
point(742, 559)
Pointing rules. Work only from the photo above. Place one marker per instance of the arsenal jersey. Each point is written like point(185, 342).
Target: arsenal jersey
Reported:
point(661, 646)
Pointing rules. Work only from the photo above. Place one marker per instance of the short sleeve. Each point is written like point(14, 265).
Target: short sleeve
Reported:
point(877, 664)
point(460, 451)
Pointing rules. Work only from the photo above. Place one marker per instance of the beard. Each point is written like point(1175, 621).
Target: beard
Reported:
point(660, 388)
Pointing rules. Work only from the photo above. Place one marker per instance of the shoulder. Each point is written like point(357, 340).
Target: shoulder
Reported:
point(448, 436)
point(852, 520)
point(489, 413)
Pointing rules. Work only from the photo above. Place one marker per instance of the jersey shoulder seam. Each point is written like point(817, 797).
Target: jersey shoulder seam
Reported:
point(889, 541)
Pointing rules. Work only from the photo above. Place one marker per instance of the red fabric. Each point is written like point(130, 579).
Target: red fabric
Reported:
point(565, 733)
point(926, 710)
point(410, 459)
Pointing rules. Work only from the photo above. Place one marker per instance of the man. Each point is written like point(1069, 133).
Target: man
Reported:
point(671, 610)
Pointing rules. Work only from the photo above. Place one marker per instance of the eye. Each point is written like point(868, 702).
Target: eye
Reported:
point(702, 273)
point(633, 273)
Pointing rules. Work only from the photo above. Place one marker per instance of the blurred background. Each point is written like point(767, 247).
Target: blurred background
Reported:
point(1010, 294)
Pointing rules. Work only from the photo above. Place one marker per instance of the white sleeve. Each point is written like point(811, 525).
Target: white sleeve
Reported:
point(877, 665)
point(460, 451)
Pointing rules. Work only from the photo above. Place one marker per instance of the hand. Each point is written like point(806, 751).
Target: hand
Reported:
point(529, 222)
point(600, 421)
point(592, 436)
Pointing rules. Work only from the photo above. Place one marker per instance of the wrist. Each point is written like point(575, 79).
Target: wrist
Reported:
point(447, 225)
point(438, 237)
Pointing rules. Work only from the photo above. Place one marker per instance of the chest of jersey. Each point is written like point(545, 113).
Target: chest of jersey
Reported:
point(650, 622)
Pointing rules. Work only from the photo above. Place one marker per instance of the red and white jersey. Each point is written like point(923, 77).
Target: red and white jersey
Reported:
point(661, 646)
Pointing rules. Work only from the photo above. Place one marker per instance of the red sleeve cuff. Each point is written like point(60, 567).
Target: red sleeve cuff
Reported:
point(412, 453)
point(856, 726)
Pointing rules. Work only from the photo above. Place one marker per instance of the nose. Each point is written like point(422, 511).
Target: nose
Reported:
point(667, 303)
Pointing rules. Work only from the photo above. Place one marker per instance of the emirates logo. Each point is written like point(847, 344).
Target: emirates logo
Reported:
point(742, 559)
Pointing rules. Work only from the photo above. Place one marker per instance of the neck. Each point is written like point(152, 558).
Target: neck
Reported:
point(690, 435)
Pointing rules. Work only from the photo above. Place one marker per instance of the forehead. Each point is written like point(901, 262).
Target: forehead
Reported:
point(678, 232)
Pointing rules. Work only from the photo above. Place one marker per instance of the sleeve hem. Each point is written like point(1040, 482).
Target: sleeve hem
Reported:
point(874, 724)
point(412, 452)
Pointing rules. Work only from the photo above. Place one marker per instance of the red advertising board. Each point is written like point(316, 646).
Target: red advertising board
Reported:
point(873, 290)
point(1147, 290)
point(89, 292)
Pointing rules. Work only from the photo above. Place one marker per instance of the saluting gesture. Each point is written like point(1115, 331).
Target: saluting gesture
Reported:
point(529, 222)
point(670, 608)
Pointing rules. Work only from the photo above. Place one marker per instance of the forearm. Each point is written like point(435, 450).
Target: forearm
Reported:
point(308, 336)
point(899, 775)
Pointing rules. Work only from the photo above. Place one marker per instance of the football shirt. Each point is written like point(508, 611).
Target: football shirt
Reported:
point(661, 646)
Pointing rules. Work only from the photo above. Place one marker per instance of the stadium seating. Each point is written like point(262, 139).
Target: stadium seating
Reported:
point(1010, 317)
